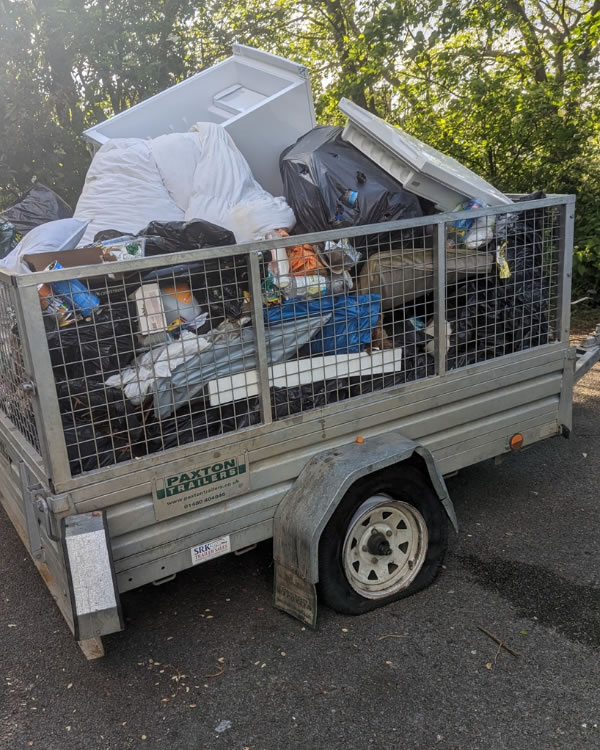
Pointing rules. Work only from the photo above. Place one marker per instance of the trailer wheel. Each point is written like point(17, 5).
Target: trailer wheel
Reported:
point(386, 540)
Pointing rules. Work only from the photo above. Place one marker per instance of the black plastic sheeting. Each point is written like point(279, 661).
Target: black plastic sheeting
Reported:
point(176, 236)
point(37, 206)
point(101, 345)
point(99, 424)
point(330, 184)
point(87, 449)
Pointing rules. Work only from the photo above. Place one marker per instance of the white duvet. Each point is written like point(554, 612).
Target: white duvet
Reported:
point(176, 177)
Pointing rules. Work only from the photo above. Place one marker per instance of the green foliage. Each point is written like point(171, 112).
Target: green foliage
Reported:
point(509, 87)
point(586, 256)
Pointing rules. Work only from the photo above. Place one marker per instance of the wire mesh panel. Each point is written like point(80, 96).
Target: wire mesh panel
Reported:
point(356, 316)
point(512, 304)
point(133, 359)
point(153, 359)
point(15, 396)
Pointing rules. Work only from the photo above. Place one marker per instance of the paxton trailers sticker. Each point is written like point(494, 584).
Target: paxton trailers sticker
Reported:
point(200, 486)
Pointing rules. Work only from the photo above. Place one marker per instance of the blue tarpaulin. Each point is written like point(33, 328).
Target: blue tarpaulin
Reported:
point(354, 317)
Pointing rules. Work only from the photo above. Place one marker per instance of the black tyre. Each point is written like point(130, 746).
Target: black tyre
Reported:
point(386, 540)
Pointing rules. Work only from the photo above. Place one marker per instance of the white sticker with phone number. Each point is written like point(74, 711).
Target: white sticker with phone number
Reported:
point(208, 550)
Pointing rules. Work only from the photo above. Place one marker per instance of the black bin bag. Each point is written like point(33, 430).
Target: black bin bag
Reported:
point(330, 185)
point(37, 206)
point(217, 282)
point(178, 236)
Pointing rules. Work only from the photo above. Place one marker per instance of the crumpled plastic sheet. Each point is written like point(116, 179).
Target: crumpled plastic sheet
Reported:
point(196, 422)
point(230, 357)
point(137, 380)
point(177, 236)
point(88, 450)
point(37, 206)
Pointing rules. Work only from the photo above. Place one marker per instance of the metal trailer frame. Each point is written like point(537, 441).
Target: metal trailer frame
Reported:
point(457, 417)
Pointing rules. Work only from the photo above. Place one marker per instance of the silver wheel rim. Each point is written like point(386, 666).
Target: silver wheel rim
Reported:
point(373, 571)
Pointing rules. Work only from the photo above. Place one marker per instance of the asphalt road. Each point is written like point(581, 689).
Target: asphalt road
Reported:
point(205, 661)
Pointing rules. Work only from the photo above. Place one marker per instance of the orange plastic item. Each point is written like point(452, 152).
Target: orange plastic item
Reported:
point(303, 259)
point(360, 439)
point(181, 291)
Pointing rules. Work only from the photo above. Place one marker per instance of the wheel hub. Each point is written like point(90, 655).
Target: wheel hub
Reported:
point(378, 544)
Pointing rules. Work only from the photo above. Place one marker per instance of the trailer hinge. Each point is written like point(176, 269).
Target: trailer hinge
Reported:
point(42, 503)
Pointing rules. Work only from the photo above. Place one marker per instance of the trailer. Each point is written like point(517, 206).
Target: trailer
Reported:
point(339, 458)
point(134, 446)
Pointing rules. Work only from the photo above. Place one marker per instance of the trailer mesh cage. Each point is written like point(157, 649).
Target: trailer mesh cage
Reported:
point(157, 353)
point(15, 384)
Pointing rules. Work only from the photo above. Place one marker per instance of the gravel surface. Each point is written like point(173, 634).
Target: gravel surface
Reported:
point(206, 662)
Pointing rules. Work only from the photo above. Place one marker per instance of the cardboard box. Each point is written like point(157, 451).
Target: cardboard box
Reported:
point(81, 256)
point(85, 256)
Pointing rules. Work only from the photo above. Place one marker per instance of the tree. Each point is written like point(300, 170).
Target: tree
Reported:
point(509, 87)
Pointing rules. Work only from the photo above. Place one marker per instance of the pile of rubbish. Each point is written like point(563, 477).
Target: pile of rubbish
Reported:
point(155, 358)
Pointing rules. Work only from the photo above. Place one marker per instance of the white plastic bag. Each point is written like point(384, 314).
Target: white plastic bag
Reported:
point(256, 219)
point(62, 234)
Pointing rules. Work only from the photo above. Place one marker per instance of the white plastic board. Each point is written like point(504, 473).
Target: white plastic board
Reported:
point(302, 371)
point(418, 167)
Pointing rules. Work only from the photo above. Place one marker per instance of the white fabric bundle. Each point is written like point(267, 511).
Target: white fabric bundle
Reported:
point(180, 176)
point(123, 190)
